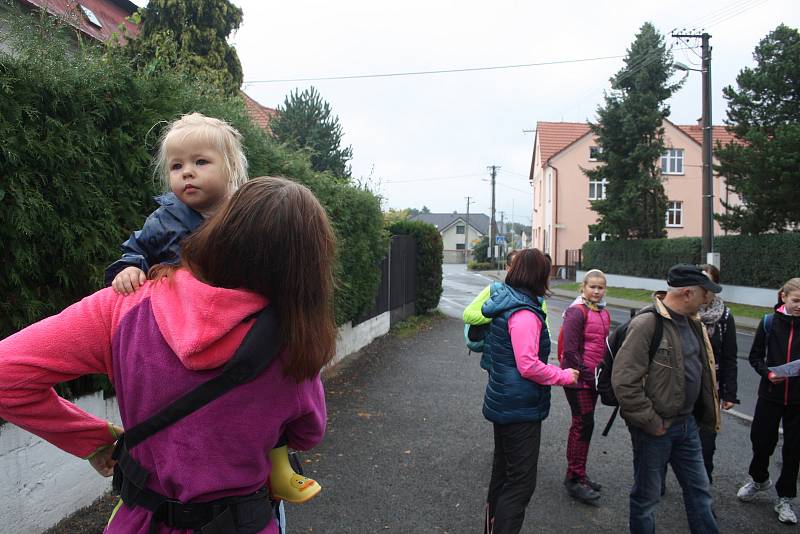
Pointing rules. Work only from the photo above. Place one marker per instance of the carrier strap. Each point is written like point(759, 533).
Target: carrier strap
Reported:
point(233, 514)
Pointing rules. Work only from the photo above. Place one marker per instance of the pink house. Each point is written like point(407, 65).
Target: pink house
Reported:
point(562, 192)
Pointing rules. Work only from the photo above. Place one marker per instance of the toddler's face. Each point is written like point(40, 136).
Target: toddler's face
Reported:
point(196, 176)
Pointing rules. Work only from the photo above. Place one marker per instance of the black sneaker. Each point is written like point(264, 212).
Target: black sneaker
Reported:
point(592, 484)
point(581, 491)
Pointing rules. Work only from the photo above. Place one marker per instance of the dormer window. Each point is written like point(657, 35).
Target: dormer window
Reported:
point(90, 15)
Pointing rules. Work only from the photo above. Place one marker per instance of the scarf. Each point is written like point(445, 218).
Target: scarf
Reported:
point(711, 314)
point(594, 306)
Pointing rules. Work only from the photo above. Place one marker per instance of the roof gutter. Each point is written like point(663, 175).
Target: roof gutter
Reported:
point(555, 213)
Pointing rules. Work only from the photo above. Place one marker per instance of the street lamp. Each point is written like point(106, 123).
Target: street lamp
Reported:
point(708, 185)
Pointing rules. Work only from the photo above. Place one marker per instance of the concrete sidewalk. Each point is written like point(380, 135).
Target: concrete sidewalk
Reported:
point(408, 450)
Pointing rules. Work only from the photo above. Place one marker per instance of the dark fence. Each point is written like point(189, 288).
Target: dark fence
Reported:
point(397, 291)
point(572, 262)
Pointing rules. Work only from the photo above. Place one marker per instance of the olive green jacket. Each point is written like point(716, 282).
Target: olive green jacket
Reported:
point(651, 393)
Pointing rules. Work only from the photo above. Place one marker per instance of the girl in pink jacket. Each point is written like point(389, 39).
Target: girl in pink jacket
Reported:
point(272, 245)
point(585, 329)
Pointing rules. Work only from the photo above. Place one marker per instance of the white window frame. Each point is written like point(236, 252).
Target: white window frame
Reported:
point(594, 185)
point(594, 237)
point(674, 211)
point(598, 149)
point(672, 161)
point(461, 227)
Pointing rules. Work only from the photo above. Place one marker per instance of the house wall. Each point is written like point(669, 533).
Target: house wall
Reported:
point(450, 239)
point(574, 214)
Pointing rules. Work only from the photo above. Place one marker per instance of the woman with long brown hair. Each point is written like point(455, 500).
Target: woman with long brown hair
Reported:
point(270, 246)
point(517, 396)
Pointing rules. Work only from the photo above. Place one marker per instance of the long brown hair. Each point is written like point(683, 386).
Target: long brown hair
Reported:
point(530, 270)
point(274, 238)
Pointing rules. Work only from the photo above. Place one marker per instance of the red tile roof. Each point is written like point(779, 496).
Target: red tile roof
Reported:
point(261, 115)
point(718, 133)
point(109, 13)
point(553, 137)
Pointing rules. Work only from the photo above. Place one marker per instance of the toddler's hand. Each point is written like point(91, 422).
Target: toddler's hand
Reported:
point(128, 280)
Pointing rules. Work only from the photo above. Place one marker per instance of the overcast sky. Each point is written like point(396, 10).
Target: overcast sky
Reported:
point(428, 139)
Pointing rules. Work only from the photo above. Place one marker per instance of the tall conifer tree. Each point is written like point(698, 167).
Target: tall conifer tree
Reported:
point(629, 132)
point(306, 122)
point(765, 113)
point(191, 36)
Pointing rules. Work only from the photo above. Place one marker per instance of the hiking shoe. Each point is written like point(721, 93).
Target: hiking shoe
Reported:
point(581, 491)
point(784, 510)
point(592, 484)
point(749, 490)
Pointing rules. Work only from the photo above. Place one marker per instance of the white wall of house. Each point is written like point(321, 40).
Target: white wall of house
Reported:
point(42, 484)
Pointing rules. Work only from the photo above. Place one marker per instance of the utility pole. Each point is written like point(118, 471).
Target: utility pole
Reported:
point(466, 234)
point(492, 168)
point(708, 184)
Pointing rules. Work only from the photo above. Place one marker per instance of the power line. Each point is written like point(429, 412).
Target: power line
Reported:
point(440, 71)
point(432, 179)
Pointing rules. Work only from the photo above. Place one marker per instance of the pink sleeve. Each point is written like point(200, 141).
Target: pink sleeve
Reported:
point(306, 432)
point(524, 327)
point(75, 342)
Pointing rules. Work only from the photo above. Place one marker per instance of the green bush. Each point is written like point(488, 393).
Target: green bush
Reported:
point(752, 261)
point(479, 266)
point(429, 261)
point(79, 128)
point(481, 250)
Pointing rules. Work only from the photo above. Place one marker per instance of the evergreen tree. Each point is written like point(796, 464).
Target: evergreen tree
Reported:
point(629, 131)
point(190, 36)
point(306, 122)
point(764, 112)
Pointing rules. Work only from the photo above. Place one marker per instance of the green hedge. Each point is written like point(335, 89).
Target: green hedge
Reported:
point(753, 261)
point(429, 261)
point(78, 129)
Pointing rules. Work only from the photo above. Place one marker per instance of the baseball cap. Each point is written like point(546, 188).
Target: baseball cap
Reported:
point(684, 275)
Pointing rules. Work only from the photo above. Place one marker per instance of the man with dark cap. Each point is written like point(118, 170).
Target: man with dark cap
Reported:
point(664, 399)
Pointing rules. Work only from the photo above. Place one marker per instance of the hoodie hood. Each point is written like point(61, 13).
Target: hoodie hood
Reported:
point(202, 324)
point(504, 297)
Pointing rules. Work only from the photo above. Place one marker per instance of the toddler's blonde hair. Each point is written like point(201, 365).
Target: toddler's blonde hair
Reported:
point(217, 133)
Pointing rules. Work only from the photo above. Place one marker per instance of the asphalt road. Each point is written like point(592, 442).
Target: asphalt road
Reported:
point(408, 450)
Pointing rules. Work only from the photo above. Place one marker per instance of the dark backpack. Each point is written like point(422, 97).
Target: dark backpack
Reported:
point(560, 342)
point(603, 372)
point(475, 336)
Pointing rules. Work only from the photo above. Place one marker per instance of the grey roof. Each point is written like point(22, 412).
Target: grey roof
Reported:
point(442, 221)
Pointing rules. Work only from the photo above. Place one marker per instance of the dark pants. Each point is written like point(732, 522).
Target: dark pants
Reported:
point(764, 437)
point(708, 441)
point(581, 403)
point(516, 458)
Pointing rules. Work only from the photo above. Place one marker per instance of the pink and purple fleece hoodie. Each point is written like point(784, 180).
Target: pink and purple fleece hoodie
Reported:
point(155, 345)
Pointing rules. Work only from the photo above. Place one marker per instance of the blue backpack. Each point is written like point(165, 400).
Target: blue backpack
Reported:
point(475, 336)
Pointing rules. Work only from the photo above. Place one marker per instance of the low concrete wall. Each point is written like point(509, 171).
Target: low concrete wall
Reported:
point(739, 294)
point(41, 484)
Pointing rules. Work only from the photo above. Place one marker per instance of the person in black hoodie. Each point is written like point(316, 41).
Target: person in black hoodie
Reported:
point(721, 328)
point(777, 342)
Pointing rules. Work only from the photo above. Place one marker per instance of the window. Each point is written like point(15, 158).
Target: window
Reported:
point(460, 228)
point(459, 246)
point(596, 237)
point(597, 189)
point(674, 213)
point(90, 15)
point(672, 161)
point(595, 151)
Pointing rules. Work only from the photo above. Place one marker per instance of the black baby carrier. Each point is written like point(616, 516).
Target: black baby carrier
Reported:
point(245, 514)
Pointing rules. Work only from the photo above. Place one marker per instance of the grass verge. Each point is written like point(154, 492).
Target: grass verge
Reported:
point(416, 323)
point(645, 295)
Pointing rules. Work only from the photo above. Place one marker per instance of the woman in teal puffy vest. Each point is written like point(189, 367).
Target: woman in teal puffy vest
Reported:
point(517, 396)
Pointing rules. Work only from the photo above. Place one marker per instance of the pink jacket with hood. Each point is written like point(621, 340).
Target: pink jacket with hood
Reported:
point(156, 344)
point(584, 340)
